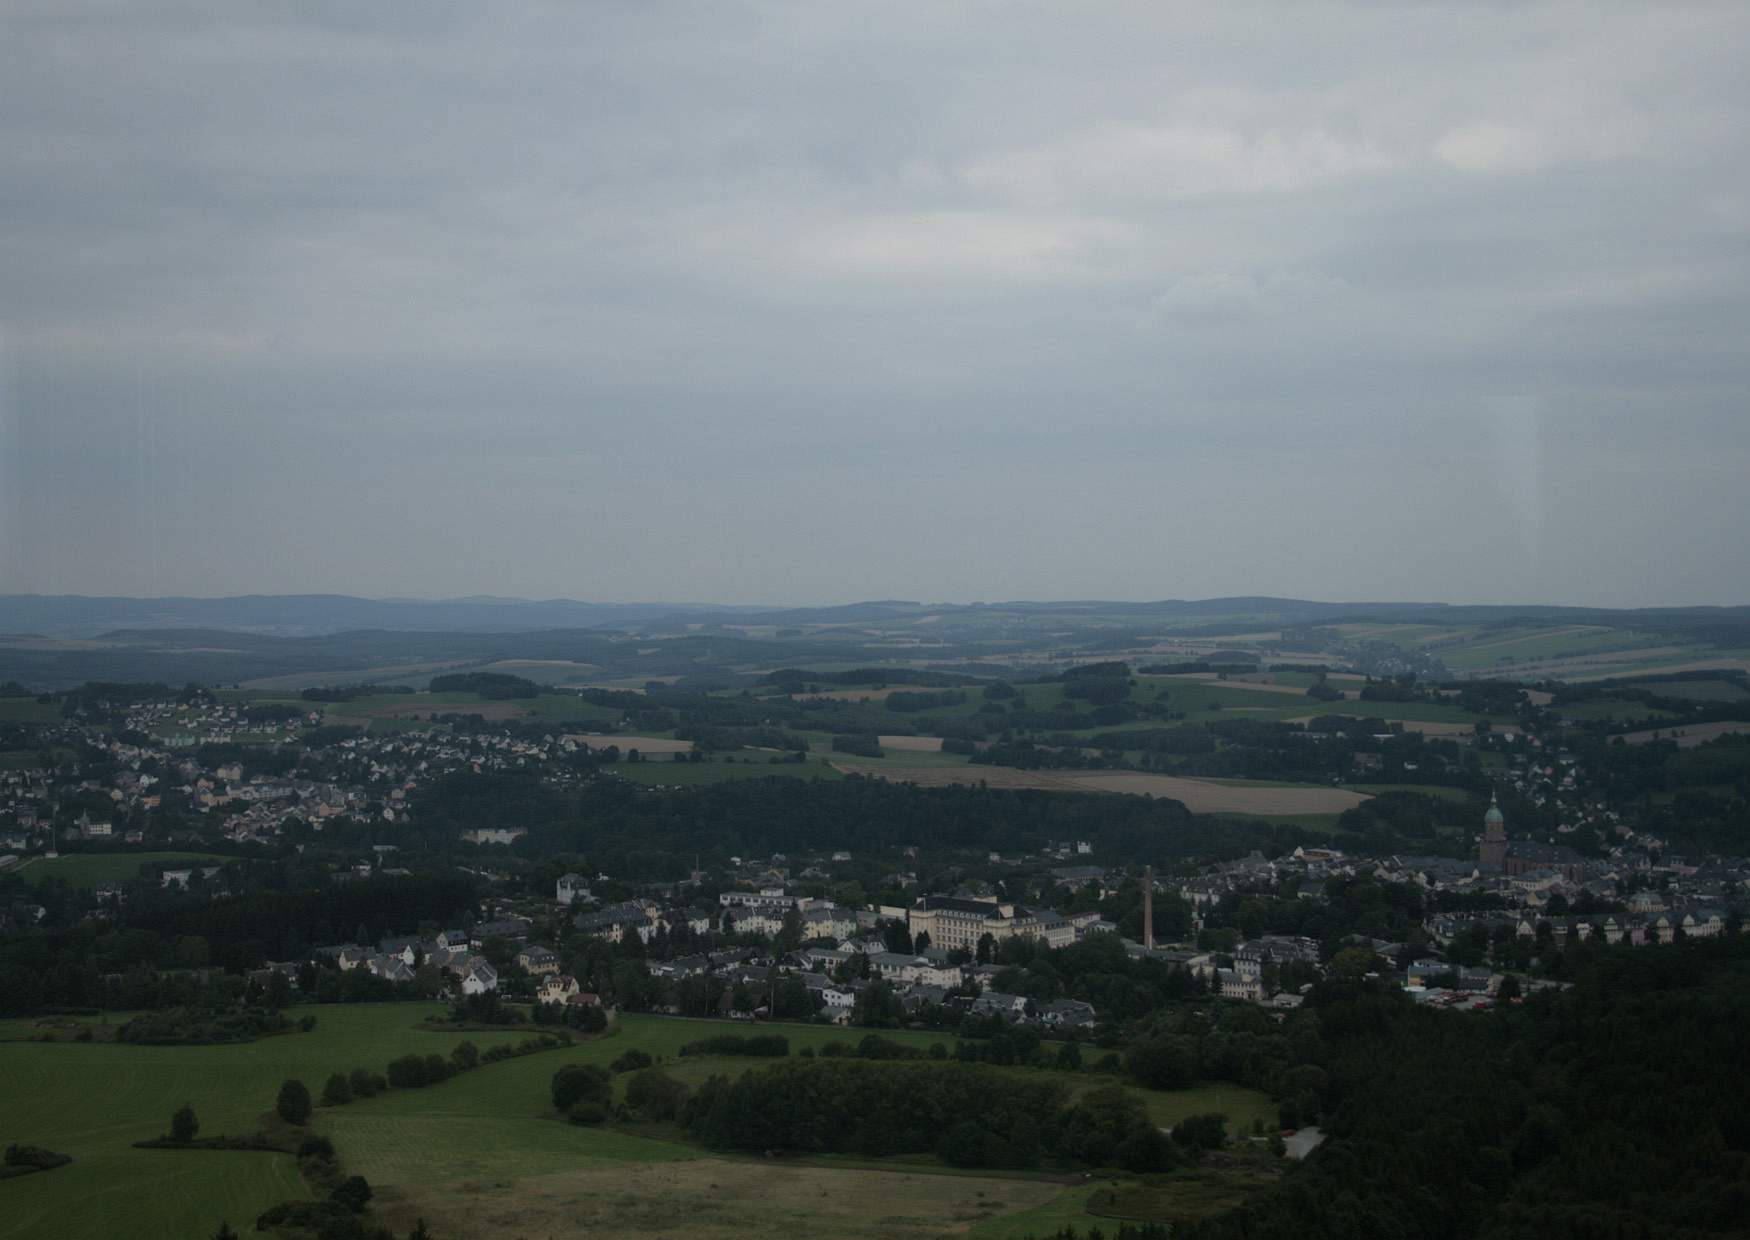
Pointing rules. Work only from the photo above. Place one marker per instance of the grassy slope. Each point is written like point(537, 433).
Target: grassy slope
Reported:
point(93, 1100)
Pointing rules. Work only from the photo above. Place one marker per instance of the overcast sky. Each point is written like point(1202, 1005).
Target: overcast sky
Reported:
point(818, 302)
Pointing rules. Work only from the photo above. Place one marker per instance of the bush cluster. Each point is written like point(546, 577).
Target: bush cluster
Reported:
point(416, 1071)
point(772, 1045)
point(968, 1115)
point(23, 1159)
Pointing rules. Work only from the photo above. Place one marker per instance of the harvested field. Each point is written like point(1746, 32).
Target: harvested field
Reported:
point(1700, 665)
point(1258, 683)
point(714, 1199)
point(419, 710)
point(852, 695)
point(1688, 735)
point(1198, 795)
point(643, 744)
point(1203, 797)
point(1263, 684)
point(1427, 727)
point(916, 744)
point(944, 776)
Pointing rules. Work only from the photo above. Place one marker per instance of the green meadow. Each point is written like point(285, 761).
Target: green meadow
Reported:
point(28, 710)
point(659, 770)
point(489, 1126)
point(89, 869)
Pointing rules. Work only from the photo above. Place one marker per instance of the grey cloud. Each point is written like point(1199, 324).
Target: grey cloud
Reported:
point(796, 302)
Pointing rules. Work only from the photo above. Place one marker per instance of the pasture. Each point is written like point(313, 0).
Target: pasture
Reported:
point(1247, 798)
point(1688, 735)
point(417, 707)
point(88, 869)
point(479, 1155)
point(28, 710)
point(748, 764)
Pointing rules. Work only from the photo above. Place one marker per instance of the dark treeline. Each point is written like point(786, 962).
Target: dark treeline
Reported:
point(969, 1115)
point(185, 950)
point(1614, 1109)
point(630, 831)
point(486, 684)
point(285, 923)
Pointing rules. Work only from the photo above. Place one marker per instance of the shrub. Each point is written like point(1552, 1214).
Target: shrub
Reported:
point(354, 1193)
point(874, 1046)
point(465, 1056)
point(363, 1082)
point(1202, 1132)
point(631, 1061)
point(293, 1104)
point(337, 1092)
point(316, 1147)
point(655, 1094)
point(183, 1125)
point(35, 1157)
point(412, 1071)
point(588, 1112)
point(768, 1044)
point(577, 1082)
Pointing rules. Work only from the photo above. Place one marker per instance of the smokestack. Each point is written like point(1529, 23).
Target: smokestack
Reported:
point(1148, 907)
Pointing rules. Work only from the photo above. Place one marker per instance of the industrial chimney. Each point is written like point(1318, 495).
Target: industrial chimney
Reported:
point(1148, 907)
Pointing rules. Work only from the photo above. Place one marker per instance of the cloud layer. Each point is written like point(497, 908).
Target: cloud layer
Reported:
point(801, 302)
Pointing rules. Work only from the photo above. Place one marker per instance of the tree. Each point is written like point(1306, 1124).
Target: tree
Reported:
point(354, 1193)
point(337, 1092)
point(1163, 1063)
point(656, 1095)
point(577, 1082)
point(877, 1006)
point(1207, 1131)
point(1509, 989)
point(183, 1125)
point(225, 1232)
point(293, 1104)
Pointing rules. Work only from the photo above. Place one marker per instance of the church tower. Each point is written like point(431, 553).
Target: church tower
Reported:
point(1492, 852)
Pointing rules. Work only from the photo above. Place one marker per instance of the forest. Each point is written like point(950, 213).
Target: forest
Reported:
point(1606, 1110)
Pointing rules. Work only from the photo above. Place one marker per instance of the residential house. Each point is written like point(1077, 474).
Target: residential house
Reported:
point(479, 977)
point(538, 959)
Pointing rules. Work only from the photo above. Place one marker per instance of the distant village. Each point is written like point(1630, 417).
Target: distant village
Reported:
point(940, 950)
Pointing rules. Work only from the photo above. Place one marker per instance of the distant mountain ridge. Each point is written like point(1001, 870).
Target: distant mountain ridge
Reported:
point(304, 615)
point(73, 615)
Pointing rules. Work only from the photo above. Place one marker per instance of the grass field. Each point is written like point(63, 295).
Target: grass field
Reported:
point(28, 710)
point(89, 869)
point(1491, 649)
point(716, 771)
point(416, 706)
point(1697, 690)
point(480, 1155)
point(1427, 790)
point(93, 1100)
